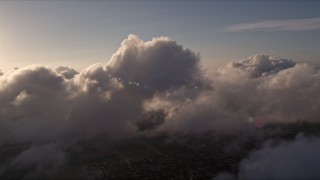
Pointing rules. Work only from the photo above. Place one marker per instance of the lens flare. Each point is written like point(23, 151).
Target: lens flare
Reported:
point(250, 119)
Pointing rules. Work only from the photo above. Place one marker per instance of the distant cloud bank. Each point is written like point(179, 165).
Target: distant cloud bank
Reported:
point(278, 25)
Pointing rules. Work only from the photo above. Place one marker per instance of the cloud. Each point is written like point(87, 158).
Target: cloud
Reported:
point(66, 71)
point(261, 88)
point(107, 98)
point(288, 160)
point(34, 100)
point(258, 65)
point(45, 159)
point(171, 94)
point(280, 159)
point(159, 63)
point(151, 87)
point(278, 25)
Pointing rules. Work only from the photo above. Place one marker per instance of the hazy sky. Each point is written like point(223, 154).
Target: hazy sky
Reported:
point(80, 33)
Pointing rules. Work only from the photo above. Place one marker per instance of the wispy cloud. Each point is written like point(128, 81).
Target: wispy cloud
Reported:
point(278, 25)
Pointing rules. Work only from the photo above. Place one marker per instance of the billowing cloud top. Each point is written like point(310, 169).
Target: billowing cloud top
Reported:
point(259, 65)
point(159, 63)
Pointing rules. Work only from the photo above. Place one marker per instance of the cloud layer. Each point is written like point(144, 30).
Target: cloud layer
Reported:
point(297, 159)
point(288, 160)
point(247, 94)
point(157, 76)
point(278, 25)
point(147, 88)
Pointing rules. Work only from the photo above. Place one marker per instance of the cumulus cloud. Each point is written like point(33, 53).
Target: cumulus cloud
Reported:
point(40, 105)
point(279, 25)
point(284, 92)
point(157, 76)
point(257, 65)
point(150, 87)
point(38, 99)
point(247, 94)
point(34, 100)
point(159, 63)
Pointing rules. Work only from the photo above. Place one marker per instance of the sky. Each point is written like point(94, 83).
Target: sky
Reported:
point(266, 72)
point(80, 33)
